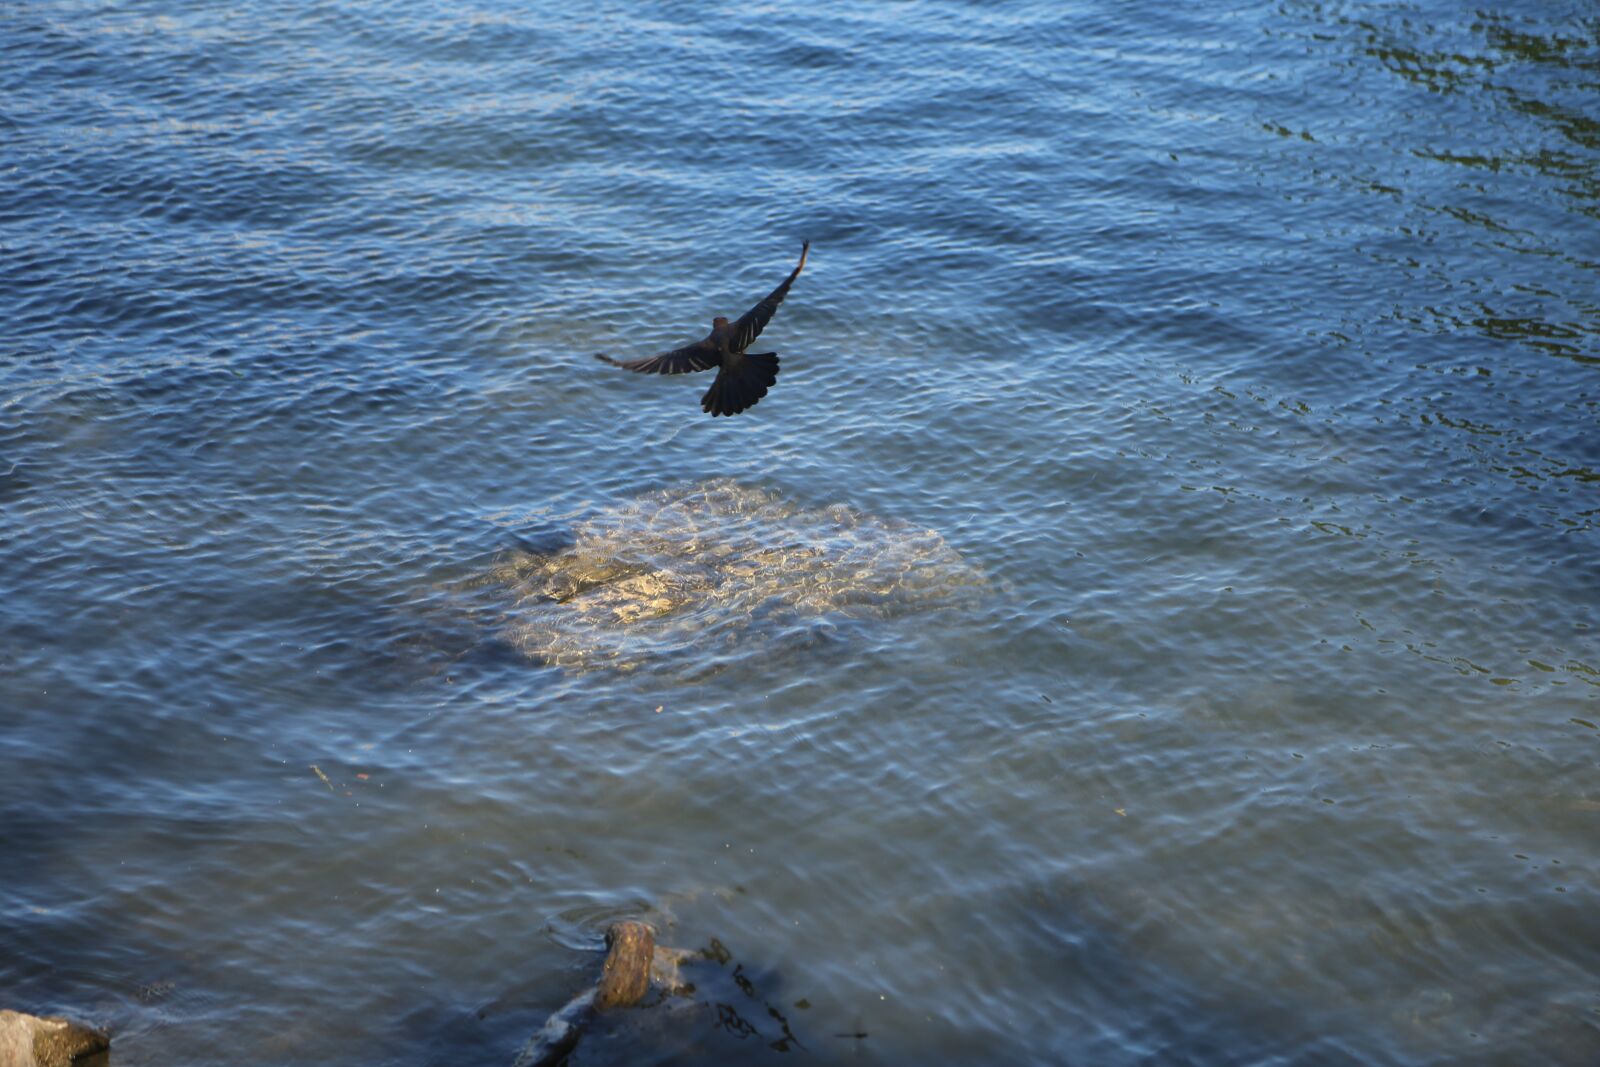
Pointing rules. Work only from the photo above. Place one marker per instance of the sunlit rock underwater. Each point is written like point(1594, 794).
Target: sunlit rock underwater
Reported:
point(698, 575)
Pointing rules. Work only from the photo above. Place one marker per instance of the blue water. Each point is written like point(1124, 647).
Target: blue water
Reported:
point(1237, 373)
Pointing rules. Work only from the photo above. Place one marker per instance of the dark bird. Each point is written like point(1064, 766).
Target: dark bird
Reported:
point(743, 378)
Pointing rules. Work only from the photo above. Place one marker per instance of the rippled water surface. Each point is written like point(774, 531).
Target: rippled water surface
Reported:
point(1153, 618)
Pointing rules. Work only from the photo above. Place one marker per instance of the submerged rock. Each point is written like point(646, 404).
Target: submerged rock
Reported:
point(714, 568)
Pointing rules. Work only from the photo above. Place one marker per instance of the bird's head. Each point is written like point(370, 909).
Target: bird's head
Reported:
point(719, 322)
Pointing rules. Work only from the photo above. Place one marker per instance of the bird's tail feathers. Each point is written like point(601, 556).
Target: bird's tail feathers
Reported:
point(741, 386)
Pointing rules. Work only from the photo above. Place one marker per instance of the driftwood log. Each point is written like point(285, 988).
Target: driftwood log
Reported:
point(29, 1041)
point(624, 980)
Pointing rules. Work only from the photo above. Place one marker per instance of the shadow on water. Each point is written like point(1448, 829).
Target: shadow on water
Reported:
point(1514, 153)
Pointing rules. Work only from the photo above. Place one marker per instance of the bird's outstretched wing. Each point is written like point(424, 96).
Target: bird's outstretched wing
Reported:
point(702, 355)
point(752, 322)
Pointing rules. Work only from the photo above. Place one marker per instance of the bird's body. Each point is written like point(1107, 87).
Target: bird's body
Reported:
point(743, 378)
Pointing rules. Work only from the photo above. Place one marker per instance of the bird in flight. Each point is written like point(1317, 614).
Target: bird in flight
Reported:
point(742, 377)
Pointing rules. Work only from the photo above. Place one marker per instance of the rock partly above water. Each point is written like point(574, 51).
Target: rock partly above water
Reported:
point(31, 1041)
point(714, 568)
point(625, 977)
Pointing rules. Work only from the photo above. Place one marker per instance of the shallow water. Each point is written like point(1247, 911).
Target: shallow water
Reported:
point(1246, 363)
point(699, 577)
